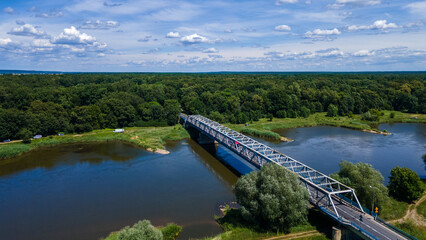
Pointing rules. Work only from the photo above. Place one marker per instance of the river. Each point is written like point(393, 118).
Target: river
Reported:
point(85, 191)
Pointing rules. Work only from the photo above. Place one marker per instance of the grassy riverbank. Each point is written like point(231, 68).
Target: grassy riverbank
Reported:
point(264, 127)
point(150, 138)
point(170, 232)
point(318, 227)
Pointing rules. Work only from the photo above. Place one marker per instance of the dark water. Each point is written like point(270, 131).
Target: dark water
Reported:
point(85, 191)
point(322, 148)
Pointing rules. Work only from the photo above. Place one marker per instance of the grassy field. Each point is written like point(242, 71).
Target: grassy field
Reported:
point(393, 209)
point(145, 137)
point(263, 126)
point(236, 228)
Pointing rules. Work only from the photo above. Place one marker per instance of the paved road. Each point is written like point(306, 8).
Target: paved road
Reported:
point(375, 228)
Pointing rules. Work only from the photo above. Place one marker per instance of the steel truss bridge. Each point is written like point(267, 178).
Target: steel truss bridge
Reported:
point(332, 197)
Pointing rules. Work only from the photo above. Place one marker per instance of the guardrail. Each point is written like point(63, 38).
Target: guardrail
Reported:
point(395, 228)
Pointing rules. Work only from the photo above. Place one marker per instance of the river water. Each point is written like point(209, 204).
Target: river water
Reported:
point(85, 191)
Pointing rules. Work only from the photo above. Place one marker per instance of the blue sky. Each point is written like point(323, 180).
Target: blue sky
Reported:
point(199, 36)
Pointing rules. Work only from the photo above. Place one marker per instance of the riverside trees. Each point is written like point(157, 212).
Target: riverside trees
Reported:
point(47, 104)
point(272, 198)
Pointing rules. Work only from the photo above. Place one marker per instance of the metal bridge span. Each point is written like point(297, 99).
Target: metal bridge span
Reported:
point(332, 197)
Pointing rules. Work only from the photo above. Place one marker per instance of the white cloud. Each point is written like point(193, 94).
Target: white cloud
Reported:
point(173, 35)
point(100, 25)
point(193, 39)
point(278, 2)
point(28, 30)
point(282, 28)
point(71, 36)
point(5, 41)
point(320, 32)
point(210, 50)
point(228, 30)
point(357, 2)
point(9, 10)
point(145, 39)
point(417, 7)
point(51, 14)
point(379, 24)
point(363, 53)
point(20, 22)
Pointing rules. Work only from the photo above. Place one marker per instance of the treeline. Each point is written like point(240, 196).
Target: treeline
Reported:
point(48, 104)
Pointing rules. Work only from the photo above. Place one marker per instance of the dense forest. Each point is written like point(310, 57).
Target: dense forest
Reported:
point(49, 104)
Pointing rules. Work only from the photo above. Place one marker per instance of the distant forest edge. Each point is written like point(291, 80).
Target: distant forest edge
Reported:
point(49, 104)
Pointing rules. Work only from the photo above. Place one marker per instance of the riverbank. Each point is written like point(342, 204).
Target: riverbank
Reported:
point(318, 227)
point(152, 138)
point(265, 128)
point(148, 138)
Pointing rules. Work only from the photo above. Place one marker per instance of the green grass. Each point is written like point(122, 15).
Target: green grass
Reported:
point(421, 209)
point(236, 228)
point(263, 126)
point(260, 133)
point(393, 209)
point(144, 137)
point(170, 232)
point(409, 227)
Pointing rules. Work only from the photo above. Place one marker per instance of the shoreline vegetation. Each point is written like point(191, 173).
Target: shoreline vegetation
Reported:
point(153, 138)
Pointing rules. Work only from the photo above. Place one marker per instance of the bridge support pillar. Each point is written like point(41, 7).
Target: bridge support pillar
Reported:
point(337, 233)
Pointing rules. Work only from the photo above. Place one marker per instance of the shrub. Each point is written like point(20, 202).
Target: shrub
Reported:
point(405, 184)
point(272, 198)
point(142, 230)
point(392, 115)
point(171, 231)
point(281, 114)
point(25, 135)
point(332, 111)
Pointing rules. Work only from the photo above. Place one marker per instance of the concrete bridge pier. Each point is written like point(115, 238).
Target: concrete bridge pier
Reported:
point(202, 139)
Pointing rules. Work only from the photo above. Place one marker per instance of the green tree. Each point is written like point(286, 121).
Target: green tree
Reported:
point(272, 197)
point(171, 111)
point(405, 184)
point(142, 230)
point(25, 135)
point(332, 111)
point(366, 181)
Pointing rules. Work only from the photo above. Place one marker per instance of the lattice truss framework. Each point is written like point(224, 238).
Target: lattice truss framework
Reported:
point(323, 190)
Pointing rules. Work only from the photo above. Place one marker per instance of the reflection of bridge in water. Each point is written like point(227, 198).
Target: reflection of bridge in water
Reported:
point(335, 199)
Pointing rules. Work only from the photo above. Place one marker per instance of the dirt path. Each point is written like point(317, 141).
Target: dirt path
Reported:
point(14, 141)
point(412, 214)
point(295, 235)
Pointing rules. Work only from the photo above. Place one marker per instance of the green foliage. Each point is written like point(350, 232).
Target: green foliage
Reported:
point(272, 197)
point(366, 181)
point(421, 209)
point(392, 209)
point(411, 228)
point(372, 115)
point(332, 111)
point(405, 184)
point(171, 231)
point(48, 104)
point(142, 230)
point(260, 133)
point(25, 135)
point(392, 115)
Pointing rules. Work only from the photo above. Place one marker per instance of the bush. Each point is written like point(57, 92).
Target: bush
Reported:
point(392, 115)
point(281, 114)
point(142, 230)
point(273, 198)
point(405, 184)
point(25, 135)
point(171, 231)
point(332, 111)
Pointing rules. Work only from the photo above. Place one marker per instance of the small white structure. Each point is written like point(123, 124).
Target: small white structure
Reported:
point(118, 130)
point(37, 136)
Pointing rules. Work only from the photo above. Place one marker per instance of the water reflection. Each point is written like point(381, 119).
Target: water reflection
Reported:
point(324, 147)
point(85, 191)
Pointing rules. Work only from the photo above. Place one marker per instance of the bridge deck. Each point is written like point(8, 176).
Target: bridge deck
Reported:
point(329, 195)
